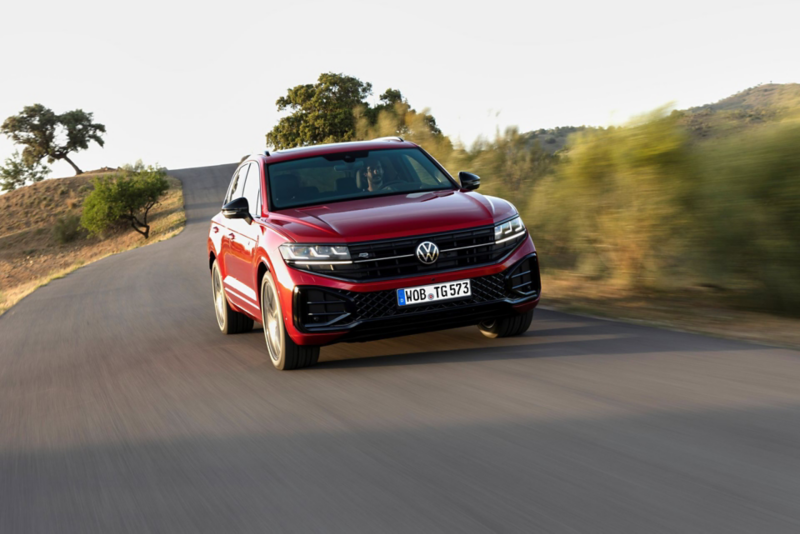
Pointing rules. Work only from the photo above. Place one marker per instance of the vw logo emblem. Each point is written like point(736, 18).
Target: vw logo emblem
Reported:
point(427, 252)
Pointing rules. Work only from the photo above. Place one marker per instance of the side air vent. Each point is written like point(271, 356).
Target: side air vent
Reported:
point(317, 307)
point(524, 279)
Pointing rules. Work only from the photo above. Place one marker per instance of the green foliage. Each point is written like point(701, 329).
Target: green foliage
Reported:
point(646, 205)
point(44, 134)
point(394, 116)
point(612, 205)
point(321, 112)
point(509, 166)
point(335, 109)
point(746, 207)
point(127, 196)
point(67, 228)
point(17, 172)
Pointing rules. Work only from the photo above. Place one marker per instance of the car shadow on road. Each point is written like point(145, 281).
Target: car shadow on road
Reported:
point(557, 336)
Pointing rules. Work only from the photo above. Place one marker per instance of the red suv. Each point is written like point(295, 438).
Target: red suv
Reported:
point(362, 241)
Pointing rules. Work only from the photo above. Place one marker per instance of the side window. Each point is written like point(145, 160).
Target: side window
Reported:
point(231, 188)
point(237, 185)
point(252, 190)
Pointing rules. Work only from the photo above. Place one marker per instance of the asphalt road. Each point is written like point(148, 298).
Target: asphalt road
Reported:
point(123, 409)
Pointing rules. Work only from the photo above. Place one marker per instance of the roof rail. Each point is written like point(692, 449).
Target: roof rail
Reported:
point(396, 138)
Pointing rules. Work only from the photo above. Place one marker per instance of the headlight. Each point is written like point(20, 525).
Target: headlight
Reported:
point(315, 254)
point(509, 230)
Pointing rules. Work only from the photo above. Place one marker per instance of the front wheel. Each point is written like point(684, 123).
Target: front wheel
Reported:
point(513, 325)
point(283, 351)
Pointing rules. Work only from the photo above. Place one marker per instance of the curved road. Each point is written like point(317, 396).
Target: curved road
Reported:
point(123, 409)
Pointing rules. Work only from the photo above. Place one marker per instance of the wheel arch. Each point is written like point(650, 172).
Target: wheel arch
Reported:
point(263, 268)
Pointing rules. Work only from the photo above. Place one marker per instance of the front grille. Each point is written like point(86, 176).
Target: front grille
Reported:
point(397, 257)
point(379, 304)
point(319, 309)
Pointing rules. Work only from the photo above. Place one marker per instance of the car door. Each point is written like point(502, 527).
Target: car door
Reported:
point(240, 277)
point(220, 226)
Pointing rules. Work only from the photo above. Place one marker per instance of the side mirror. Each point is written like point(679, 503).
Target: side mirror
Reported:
point(469, 181)
point(237, 209)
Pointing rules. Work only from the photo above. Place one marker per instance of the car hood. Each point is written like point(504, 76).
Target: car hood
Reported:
point(391, 216)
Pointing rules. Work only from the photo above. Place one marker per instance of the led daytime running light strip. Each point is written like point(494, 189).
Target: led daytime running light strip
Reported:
point(320, 262)
point(509, 238)
point(515, 227)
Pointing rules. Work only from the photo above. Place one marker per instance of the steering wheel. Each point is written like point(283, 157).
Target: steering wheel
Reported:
point(389, 185)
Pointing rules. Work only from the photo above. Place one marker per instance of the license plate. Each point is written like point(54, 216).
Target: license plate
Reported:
point(434, 293)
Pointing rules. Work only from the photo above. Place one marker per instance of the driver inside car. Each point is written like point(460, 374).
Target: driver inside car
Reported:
point(374, 177)
point(373, 172)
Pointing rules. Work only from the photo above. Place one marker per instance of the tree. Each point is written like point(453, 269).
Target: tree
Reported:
point(127, 196)
point(321, 113)
point(16, 172)
point(394, 116)
point(44, 134)
point(335, 109)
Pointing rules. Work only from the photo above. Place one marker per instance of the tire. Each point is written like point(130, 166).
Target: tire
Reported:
point(284, 353)
point(513, 325)
point(228, 320)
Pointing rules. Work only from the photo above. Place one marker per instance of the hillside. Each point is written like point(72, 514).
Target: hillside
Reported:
point(782, 97)
point(33, 252)
point(747, 109)
point(552, 140)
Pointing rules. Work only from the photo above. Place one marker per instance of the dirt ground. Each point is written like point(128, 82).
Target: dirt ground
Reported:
point(30, 253)
point(695, 310)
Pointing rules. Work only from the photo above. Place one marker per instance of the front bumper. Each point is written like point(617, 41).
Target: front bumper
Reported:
point(328, 311)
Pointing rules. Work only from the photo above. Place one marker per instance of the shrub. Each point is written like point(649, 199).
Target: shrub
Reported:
point(127, 196)
point(747, 211)
point(612, 207)
point(67, 228)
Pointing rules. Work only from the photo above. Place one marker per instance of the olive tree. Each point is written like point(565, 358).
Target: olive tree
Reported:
point(16, 172)
point(45, 134)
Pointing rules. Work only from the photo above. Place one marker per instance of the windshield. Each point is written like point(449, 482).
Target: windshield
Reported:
point(352, 175)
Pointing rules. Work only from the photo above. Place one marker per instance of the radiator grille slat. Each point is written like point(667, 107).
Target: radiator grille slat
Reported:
point(397, 258)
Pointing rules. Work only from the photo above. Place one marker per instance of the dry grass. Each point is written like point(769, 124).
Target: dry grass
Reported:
point(700, 310)
point(30, 255)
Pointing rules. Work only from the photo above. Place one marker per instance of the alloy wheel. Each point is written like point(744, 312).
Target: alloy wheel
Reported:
point(271, 319)
point(219, 298)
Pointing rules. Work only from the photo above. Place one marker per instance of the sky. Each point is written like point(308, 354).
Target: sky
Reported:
point(193, 84)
